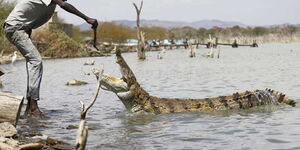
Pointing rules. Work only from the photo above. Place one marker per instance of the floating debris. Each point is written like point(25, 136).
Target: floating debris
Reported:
point(76, 82)
point(89, 63)
point(88, 74)
point(71, 127)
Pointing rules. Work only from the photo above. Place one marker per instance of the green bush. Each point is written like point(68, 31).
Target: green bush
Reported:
point(5, 9)
point(259, 31)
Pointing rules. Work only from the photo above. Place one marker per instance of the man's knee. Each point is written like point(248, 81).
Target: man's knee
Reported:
point(38, 61)
point(33, 55)
point(35, 61)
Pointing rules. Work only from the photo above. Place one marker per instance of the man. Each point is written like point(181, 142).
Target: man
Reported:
point(28, 15)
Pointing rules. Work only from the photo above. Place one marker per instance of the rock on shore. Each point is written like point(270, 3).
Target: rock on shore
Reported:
point(7, 132)
point(10, 140)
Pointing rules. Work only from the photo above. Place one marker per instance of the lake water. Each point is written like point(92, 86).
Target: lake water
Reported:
point(275, 66)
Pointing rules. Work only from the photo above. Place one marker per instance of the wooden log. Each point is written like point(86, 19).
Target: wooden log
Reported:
point(10, 107)
point(32, 146)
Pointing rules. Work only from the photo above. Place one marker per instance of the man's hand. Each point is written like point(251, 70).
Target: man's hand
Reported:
point(92, 22)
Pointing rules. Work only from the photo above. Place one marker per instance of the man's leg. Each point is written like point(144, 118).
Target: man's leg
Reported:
point(34, 68)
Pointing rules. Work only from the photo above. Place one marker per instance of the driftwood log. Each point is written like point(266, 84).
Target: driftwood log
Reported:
point(31, 146)
point(10, 107)
point(82, 133)
point(76, 83)
point(136, 99)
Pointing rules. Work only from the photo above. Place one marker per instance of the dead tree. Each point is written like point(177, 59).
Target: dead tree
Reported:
point(210, 54)
point(192, 52)
point(140, 34)
point(82, 134)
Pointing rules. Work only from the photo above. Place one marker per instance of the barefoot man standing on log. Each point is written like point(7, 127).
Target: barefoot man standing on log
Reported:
point(28, 15)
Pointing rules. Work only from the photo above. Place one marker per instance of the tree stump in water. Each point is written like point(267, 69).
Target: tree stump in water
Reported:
point(10, 107)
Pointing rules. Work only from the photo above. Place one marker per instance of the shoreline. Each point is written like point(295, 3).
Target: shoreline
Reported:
point(108, 50)
point(10, 139)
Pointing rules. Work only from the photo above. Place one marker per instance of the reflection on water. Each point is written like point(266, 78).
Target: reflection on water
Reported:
point(272, 66)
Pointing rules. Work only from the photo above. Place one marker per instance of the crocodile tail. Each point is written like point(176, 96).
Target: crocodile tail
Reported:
point(282, 98)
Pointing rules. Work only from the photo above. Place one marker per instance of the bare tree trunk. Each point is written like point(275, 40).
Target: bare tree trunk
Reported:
point(211, 53)
point(140, 35)
point(82, 134)
point(191, 49)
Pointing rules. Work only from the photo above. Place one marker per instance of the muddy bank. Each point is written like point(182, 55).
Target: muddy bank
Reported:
point(83, 51)
point(270, 38)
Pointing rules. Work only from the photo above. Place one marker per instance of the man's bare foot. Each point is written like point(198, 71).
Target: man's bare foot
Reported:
point(33, 111)
point(35, 114)
point(27, 110)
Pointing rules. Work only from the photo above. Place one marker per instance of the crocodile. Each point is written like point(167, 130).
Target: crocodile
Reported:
point(136, 99)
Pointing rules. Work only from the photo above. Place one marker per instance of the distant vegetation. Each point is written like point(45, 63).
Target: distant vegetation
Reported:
point(5, 9)
point(289, 33)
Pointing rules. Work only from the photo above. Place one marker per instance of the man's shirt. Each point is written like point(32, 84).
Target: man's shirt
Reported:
point(31, 13)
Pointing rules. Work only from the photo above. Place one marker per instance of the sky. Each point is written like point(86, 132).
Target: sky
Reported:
point(249, 12)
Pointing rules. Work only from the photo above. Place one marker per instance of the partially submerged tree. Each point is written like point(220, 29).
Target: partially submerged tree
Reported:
point(140, 34)
point(82, 133)
point(192, 52)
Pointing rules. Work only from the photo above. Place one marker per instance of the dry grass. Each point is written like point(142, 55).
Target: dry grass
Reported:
point(59, 45)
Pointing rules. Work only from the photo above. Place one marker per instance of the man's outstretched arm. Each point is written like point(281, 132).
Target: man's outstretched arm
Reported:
point(70, 8)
